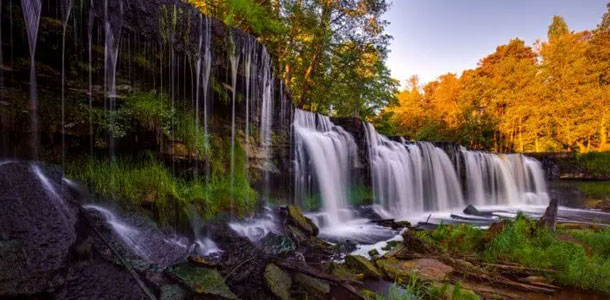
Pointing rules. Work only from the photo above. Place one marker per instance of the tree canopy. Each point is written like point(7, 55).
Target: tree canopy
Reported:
point(554, 96)
point(330, 53)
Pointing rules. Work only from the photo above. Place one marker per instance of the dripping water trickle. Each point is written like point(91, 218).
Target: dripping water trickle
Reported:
point(31, 14)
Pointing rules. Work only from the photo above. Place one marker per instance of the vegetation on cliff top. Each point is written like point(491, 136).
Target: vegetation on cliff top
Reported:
point(330, 54)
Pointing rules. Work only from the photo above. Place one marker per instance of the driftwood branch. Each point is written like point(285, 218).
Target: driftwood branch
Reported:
point(319, 274)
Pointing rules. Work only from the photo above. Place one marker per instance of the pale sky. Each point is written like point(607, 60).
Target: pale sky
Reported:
point(434, 37)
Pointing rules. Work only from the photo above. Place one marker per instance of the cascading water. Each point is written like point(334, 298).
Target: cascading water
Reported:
point(249, 53)
point(234, 59)
point(111, 54)
point(323, 157)
point(510, 179)
point(31, 14)
point(130, 236)
point(410, 178)
point(267, 81)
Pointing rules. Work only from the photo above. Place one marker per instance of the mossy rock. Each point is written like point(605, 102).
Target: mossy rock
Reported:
point(361, 264)
point(278, 281)
point(426, 269)
point(202, 281)
point(373, 252)
point(449, 292)
point(345, 273)
point(390, 245)
point(313, 288)
point(296, 217)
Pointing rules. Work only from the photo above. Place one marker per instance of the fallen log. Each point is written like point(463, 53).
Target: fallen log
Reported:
point(517, 268)
point(321, 275)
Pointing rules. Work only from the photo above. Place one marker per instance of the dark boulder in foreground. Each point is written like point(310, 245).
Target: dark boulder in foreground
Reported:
point(39, 253)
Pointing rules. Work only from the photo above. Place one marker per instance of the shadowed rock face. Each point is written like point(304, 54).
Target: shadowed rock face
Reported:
point(38, 229)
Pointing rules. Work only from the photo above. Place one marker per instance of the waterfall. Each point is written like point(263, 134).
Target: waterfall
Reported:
point(58, 202)
point(266, 115)
point(234, 59)
point(31, 14)
point(90, 71)
point(111, 55)
point(323, 157)
point(509, 179)
point(250, 52)
point(66, 7)
point(131, 237)
point(410, 178)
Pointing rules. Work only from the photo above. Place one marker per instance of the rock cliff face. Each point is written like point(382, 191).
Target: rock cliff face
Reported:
point(114, 48)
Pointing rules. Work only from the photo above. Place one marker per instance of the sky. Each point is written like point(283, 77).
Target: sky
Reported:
point(435, 37)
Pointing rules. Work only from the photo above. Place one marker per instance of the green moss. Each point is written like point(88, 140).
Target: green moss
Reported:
point(202, 281)
point(136, 182)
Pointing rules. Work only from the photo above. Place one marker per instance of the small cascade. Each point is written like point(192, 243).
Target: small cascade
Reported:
point(410, 178)
point(52, 194)
point(255, 229)
point(197, 81)
point(31, 14)
point(206, 69)
point(90, 71)
point(323, 161)
point(267, 81)
point(130, 236)
point(202, 244)
point(234, 59)
point(249, 53)
point(66, 7)
point(509, 179)
point(111, 54)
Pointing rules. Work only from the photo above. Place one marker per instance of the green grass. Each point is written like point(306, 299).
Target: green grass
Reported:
point(522, 243)
point(597, 163)
point(134, 182)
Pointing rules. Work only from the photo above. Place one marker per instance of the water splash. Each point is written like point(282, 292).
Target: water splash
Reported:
point(31, 14)
point(202, 244)
point(323, 159)
point(257, 228)
point(130, 236)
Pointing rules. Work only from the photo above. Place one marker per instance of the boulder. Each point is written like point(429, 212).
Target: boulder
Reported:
point(412, 243)
point(362, 265)
point(427, 269)
point(314, 288)
point(205, 282)
point(373, 252)
point(345, 273)
point(278, 281)
point(471, 210)
point(295, 216)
